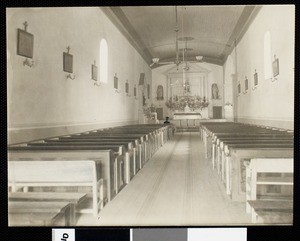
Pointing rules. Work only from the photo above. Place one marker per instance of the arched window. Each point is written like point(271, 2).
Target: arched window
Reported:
point(103, 61)
point(267, 56)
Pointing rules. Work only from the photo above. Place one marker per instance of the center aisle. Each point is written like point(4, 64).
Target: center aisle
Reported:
point(176, 187)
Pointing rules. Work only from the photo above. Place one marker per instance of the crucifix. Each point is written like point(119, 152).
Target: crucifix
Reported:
point(25, 26)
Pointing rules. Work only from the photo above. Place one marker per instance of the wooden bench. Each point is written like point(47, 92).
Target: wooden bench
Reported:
point(144, 138)
point(128, 151)
point(235, 154)
point(63, 173)
point(39, 213)
point(112, 163)
point(73, 198)
point(138, 146)
point(270, 211)
point(230, 143)
point(256, 166)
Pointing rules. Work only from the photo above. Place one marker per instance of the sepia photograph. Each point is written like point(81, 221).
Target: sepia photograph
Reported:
point(190, 122)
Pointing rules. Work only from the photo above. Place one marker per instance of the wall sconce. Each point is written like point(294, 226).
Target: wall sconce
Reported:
point(71, 76)
point(255, 82)
point(246, 85)
point(25, 45)
point(68, 64)
point(28, 63)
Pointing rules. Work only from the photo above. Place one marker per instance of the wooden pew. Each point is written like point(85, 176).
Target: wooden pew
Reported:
point(144, 138)
point(112, 163)
point(270, 211)
point(72, 198)
point(147, 138)
point(58, 173)
point(129, 170)
point(235, 154)
point(39, 213)
point(241, 140)
point(139, 146)
point(257, 166)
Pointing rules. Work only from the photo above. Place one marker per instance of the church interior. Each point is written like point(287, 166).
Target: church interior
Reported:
point(150, 115)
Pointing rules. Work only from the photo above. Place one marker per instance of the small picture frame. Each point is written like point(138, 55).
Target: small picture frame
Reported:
point(142, 78)
point(68, 62)
point(246, 84)
point(127, 87)
point(148, 91)
point(116, 82)
point(25, 44)
point(94, 72)
point(275, 66)
point(255, 79)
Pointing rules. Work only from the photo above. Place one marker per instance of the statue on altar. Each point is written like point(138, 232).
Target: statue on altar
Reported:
point(187, 109)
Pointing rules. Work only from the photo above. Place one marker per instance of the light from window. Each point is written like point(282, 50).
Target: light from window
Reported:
point(267, 56)
point(103, 61)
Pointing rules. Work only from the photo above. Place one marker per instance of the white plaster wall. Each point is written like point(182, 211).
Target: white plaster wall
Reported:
point(272, 103)
point(41, 100)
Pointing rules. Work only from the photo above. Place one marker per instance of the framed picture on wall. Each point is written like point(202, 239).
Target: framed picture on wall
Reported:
point(127, 87)
point(246, 84)
point(275, 66)
point(68, 62)
point(25, 44)
point(255, 79)
point(116, 82)
point(148, 91)
point(142, 77)
point(94, 72)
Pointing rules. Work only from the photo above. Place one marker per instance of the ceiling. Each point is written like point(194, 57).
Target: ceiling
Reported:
point(214, 30)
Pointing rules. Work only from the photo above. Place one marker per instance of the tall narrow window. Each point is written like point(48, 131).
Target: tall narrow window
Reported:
point(103, 61)
point(267, 56)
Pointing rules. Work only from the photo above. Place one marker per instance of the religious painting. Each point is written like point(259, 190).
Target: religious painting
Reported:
point(126, 87)
point(25, 44)
point(255, 79)
point(246, 84)
point(275, 66)
point(160, 92)
point(142, 77)
point(214, 91)
point(68, 62)
point(94, 72)
point(148, 91)
point(116, 82)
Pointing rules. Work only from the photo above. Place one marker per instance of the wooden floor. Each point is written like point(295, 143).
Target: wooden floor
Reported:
point(176, 187)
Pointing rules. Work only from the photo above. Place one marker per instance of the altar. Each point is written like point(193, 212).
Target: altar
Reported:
point(190, 118)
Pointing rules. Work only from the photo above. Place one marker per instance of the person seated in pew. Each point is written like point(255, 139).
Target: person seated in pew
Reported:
point(167, 121)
